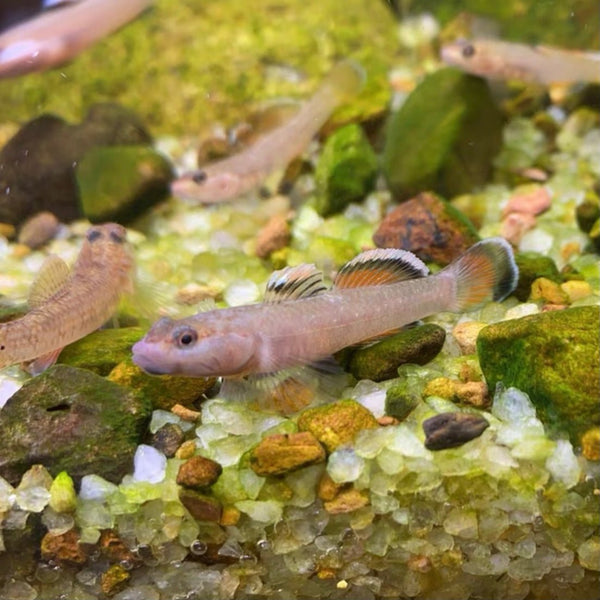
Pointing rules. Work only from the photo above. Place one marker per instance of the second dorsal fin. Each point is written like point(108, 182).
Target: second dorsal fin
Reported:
point(381, 266)
point(51, 277)
point(292, 283)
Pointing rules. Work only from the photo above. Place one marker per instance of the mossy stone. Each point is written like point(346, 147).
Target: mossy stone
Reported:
point(72, 420)
point(117, 183)
point(417, 345)
point(346, 170)
point(337, 423)
point(444, 136)
point(554, 357)
point(401, 398)
point(533, 265)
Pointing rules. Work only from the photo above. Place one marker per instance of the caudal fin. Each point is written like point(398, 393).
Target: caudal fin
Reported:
point(486, 271)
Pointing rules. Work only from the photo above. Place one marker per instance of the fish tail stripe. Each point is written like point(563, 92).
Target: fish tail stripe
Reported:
point(381, 266)
point(294, 282)
point(487, 271)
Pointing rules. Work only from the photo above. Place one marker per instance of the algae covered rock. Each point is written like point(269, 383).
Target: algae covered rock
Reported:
point(337, 423)
point(346, 170)
point(72, 420)
point(117, 183)
point(428, 226)
point(443, 138)
point(554, 358)
point(380, 361)
point(532, 266)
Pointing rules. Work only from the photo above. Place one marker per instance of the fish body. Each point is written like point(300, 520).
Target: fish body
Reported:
point(57, 35)
point(238, 174)
point(265, 338)
point(68, 308)
point(537, 64)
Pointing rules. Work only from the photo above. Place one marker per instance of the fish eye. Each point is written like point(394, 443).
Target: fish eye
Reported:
point(185, 337)
point(116, 237)
point(468, 50)
point(93, 234)
point(199, 177)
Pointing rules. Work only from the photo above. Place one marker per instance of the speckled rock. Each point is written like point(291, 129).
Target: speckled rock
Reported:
point(417, 345)
point(337, 423)
point(428, 226)
point(532, 266)
point(346, 170)
point(555, 358)
point(198, 472)
point(467, 392)
point(168, 439)
point(548, 291)
point(164, 391)
point(466, 333)
point(114, 579)
point(279, 454)
point(72, 420)
point(64, 549)
point(45, 179)
point(347, 500)
point(118, 183)
point(201, 506)
point(443, 138)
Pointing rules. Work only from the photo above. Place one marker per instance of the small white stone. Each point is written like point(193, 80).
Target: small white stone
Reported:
point(512, 405)
point(8, 387)
point(266, 511)
point(240, 292)
point(563, 464)
point(149, 464)
point(94, 487)
point(345, 465)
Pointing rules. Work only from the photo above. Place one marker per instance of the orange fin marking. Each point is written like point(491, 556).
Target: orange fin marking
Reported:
point(381, 266)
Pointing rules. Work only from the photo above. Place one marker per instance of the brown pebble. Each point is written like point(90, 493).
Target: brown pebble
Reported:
point(7, 230)
point(114, 579)
point(200, 506)
point(114, 548)
point(64, 548)
point(474, 393)
point(387, 420)
point(186, 450)
point(198, 472)
point(184, 413)
point(38, 230)
point(230, 516)
point(347, 501)
point(168, 439)
point(452, 429)
point(279, 454)
point(328, 489)
point(275, 235)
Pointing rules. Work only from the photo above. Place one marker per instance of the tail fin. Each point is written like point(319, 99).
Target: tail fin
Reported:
point(486, 271)
point(346, 78)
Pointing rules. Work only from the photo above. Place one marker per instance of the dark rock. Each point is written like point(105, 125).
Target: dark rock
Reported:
point(201, 506)
point(117, 183)
point(417, 345)
point(346, 170)
point(71, 420)
point(429, 227)
point(588, 212)
point(37, 165)
point(452, 429)
point(553, 357)
point(198, 472)
point(167, 439)
point(531, 267)
point(443, 138)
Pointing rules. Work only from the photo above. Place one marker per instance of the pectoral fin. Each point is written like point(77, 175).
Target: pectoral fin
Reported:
point(51, 277)
point(41, 363)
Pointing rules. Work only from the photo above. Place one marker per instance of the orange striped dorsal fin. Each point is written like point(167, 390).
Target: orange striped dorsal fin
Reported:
point(381, 266)
point(292, 283)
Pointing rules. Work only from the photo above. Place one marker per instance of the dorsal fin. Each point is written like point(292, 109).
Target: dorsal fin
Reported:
point(381, 266)
point(51, 277)
point(292, 283)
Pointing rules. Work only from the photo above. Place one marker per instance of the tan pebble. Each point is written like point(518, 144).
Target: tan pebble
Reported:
point(326, 573)
point(114, 579)
point(576, 290)
point(347, 501)
point(275, 235)
point(387, 420)
point(184, 413)
point(328, 489)
point(20, 250)
point(473, 392)
point(590, 443)
point(7, 230)
point(466, 335)
point(186, 450)
point(515, 225)
point(550, 307)
point(38, 229)
point(569, 250)
point(532, 201)
point(230, 516)
point(442, 387)
point(535, 174)
point(198, 472)
point(470, 371)
point(194, 293)
point(550, 291)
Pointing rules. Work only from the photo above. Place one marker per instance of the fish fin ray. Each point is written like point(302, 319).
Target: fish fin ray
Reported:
point(43, 362)
point(293, 283)
point(53, 274)
point(381, 266)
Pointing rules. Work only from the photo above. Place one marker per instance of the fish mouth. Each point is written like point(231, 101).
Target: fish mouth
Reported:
point(147, 363)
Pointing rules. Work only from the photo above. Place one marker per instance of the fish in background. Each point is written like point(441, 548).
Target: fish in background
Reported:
point(497, 59)
point(293, 334)
point(57, 34)
point(236, 175)
point(65, 305)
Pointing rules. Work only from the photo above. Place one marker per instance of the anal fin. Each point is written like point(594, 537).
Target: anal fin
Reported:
point(43, 362)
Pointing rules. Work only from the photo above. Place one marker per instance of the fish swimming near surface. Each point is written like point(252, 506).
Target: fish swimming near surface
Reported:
point(497, 59)
point(67, 305)
point(238, 174)
point(301, 323)
point(58, 34)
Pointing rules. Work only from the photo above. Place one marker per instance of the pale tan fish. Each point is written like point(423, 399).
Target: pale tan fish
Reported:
point(67, 305)
point(537, 64)
point(302, 323)
point(238, 174)
point(58, 35)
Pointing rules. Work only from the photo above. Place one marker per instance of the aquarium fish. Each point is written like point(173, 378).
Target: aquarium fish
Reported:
point(233, 176)
point(59, 33)
point(302, 323)
point(536, 64)
point(65, 305)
